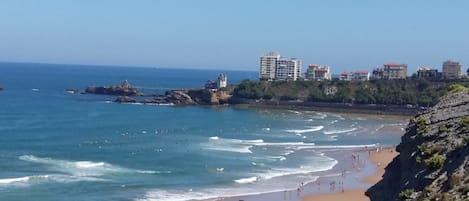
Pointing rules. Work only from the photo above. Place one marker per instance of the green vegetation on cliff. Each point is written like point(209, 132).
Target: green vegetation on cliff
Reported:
point(396, 92)
point(433, 160)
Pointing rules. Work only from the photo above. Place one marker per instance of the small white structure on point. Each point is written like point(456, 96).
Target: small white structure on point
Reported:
point(222, 81)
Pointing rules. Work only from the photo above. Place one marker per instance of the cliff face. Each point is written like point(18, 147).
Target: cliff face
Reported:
point(433, 163)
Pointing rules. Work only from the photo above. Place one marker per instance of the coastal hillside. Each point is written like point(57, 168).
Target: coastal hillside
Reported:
point(433, 160)
point(387, 92)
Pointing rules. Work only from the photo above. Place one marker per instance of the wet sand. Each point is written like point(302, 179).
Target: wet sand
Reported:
point(380, 159)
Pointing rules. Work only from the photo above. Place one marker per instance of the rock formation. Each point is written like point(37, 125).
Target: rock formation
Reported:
point(124, 89)
point(433, 161)
point(177, 97)
point(125, 99)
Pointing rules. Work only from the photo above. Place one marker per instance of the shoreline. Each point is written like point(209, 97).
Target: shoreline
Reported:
point(341, 182)
point(333, 109)
point(380, 159)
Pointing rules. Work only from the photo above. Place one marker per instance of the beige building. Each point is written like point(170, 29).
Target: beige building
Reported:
point(391, 71)
point(316, 72)
point(394, 71)
point(451, 70)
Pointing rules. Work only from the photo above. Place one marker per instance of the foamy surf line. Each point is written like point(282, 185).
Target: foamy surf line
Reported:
point(37, 179)
point(311, 129)
point(234, 194)
point(339, 131)
point(13, 180)
point(243, 146)
point(84, 168)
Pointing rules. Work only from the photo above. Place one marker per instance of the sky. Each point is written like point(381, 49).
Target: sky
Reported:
point(232, 34)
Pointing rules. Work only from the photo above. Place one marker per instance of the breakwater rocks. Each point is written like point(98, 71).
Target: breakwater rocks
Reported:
point(182, 97)
point(124, 89)
point(433, 161)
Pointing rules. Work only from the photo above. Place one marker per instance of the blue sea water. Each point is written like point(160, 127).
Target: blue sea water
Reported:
point(60, 146)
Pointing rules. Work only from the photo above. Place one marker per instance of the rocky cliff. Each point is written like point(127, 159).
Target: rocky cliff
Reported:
point(433, 161)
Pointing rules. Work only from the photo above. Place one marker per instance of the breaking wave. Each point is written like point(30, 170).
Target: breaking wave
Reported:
point(311, 129)
point(330, 132)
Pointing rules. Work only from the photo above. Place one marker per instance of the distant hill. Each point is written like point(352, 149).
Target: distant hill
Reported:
point(433, 160)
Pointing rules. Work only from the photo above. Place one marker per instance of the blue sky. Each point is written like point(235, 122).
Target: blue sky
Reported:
point(216, 34)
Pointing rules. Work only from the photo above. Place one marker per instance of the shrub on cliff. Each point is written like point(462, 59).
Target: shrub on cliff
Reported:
point(435, 162)
point(457, 88)
point(406, 194)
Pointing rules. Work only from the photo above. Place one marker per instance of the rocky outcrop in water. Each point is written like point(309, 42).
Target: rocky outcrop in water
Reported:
point(125, 99)
point(125, 92)
point(433, 164)
point(124, 89)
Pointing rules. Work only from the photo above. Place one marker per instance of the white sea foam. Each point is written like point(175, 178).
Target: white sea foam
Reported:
point(228, 145)
point(288, 152)
point(309, 130)
point(35, 179)
point(320, 116)
point(89, 164)
point(333, 122)
point(13, 180)
point(82, 168)
point(176, 195)
point(293, 111)
point(231, 145)
point(329, 132)
point(321, 163)
point(246, 180)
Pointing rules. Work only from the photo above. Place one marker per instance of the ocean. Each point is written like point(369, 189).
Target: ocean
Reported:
point(60, 146)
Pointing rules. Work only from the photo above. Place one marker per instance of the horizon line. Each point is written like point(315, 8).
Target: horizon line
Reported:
point(121, 66)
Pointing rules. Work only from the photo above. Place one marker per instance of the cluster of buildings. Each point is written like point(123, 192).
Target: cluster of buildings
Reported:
point(273, 67)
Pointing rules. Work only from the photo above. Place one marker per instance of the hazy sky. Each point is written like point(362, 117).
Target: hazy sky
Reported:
point(232, 34)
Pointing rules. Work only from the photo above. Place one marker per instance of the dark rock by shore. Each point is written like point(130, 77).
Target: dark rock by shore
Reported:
point(433, 160)
point(124, 89)
point(125, 99)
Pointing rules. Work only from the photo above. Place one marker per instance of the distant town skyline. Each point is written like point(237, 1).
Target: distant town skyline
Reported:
point(210, 34)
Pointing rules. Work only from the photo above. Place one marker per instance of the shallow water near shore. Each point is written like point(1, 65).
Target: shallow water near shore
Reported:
point(60, 146)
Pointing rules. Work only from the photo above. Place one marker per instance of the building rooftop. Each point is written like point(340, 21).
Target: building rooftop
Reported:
point(361, 72)
point(392, 64)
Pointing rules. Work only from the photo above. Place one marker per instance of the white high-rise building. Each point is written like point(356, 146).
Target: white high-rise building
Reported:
point(288, 69)
point(274, 67)
point(268, 64)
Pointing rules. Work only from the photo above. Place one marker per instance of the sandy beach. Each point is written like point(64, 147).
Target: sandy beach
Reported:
point(380, 159)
